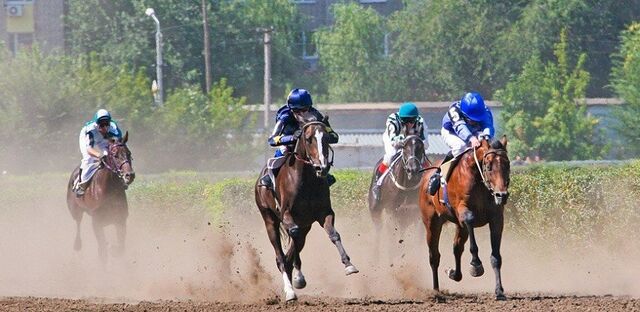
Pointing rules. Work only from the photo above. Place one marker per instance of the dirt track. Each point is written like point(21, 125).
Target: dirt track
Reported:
point(518, 302)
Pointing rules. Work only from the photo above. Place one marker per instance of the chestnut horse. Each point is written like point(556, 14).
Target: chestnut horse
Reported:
point(105, 199)
point(400, 186)
point(477, 192)
point(299, 199)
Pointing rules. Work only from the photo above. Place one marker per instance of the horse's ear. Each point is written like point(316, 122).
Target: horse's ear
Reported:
point(325, 119)
point(126, 137)
point(503, 140)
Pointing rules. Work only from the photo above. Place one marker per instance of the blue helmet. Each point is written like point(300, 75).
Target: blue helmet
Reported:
point(299, 99)
point(408, 112)
point(102, 115)
point(472, 105)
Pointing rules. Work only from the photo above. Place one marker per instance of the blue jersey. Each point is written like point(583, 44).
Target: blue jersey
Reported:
point(457, 123)
point(286, 125)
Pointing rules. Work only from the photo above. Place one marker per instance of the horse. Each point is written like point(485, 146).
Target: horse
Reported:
point(477, 192)
point(400, 185)
point(300, 197)
point(105, 199)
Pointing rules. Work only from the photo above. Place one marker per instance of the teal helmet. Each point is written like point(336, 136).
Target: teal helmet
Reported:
point(102, 115)
point(408, 112)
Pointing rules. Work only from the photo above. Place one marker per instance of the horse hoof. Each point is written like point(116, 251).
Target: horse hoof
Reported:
point(350, 270)
point(294, 231)
point(299, 282)
point(476, 271)
point(290, 296)
point(456, 276)
point(501, 297)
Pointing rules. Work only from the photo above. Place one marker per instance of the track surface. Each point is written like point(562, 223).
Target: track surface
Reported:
point(517, 302)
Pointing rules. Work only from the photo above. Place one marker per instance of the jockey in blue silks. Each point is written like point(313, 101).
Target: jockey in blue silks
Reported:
point(287, 130)
point(464, 124)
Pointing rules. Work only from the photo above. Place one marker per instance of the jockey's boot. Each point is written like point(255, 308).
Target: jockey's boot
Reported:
point(330, 179)
point(376, 186)
point(434, 180)
point(80, 189)
point(266, 181)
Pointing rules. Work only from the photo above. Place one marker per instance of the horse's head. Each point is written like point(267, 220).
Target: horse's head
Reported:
point(313, 146)
point(413, 155)
point(119, 160)
point(495, 168)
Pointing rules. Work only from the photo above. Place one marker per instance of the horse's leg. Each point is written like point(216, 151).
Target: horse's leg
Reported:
point(121, 232)
point(293, 256)
point(272, 225)
point(476, 265)
point(433, 227)
point(121, 229)
point(376, 217)
point(495, 228)
point(98, 230)
point(458, 248)
point(334, 236)
point(77, 215)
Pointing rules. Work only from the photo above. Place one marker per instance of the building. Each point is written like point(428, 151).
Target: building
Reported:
point(25, 22)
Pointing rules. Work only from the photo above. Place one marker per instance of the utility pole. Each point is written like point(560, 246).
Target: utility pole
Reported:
point(267, 73)
point(207, 50)
point(159, 95)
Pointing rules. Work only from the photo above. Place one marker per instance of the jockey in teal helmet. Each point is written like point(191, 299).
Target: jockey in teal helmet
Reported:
point(94, 141)
point(406, 121)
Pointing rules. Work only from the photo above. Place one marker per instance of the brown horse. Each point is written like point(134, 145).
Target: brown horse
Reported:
point(105, 199)
point(299, 199)
point(400, 186)
point(477, 192)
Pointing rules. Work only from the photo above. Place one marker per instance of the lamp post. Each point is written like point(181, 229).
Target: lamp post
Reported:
point(160, 89)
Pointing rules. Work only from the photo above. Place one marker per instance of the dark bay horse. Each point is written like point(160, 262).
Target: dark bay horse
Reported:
point(105, 199)
point(477, 191)
point(299, 199)
point(399, 187)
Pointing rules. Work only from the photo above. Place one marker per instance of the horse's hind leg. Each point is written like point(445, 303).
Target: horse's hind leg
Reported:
point(328, 224)
point(476, 265)
point(293, 256)
point(98, 230)
point(376, 217)
point(495, 227)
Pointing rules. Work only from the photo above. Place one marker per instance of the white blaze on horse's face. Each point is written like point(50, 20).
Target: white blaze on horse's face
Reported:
point(323, 161)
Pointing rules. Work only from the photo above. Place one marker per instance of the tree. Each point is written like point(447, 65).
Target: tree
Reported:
point(543, 113)
point(625, 80)
point(351, 54)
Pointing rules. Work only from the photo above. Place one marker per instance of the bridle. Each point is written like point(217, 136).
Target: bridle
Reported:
point(115, 168)
point(307, 159)
point(484, 169)
point(405, 165)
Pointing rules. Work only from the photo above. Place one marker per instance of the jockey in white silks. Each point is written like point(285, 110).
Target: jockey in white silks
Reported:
point(407, 121)
point(94, 142)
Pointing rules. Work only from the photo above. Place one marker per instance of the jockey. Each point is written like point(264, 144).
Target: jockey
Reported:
point(94, 143)
point(462, 126)
point(407, 121)
point(287, 131)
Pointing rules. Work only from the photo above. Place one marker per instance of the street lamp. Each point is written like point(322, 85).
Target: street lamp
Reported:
point(158, 94)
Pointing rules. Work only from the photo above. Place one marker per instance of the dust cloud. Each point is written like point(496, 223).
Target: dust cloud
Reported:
point(177, 257)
